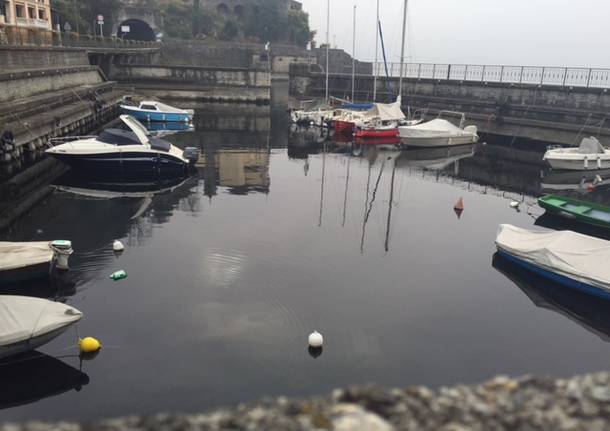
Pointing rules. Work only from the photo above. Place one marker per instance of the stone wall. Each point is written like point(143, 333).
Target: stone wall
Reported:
point(19, 57)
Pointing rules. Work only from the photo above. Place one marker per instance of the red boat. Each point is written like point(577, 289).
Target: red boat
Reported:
point(344, 126)
point(376, 133)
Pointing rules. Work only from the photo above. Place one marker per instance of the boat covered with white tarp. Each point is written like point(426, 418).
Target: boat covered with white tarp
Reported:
point(20, 261)
point(589, 155)
point(573, 259)
point(28, 323)
point(437, 133)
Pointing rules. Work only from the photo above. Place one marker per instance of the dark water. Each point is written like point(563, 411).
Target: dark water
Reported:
point(280, 234)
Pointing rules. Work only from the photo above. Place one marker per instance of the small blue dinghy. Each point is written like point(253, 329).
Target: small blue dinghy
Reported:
point(568, 258)
point(149, 111)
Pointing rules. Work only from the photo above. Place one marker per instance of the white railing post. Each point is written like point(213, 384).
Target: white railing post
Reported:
point(466, 73)
point(483, 74)
point(565, 74)
point(501, 73)
point(542, 77)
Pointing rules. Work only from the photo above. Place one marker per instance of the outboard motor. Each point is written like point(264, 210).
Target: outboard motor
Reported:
point(62, 250)
point(191, 154)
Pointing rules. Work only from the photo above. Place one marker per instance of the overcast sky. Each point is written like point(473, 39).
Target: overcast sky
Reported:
point(511, 32)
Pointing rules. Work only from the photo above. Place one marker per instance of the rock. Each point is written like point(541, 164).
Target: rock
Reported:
point(349, 417)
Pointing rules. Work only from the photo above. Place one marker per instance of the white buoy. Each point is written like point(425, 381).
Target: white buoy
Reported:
point(316, 339)
point(118, 245)
point(514, 204)
point(597, 179)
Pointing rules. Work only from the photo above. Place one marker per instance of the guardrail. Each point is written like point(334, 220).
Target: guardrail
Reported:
point(537, 75)
point(30, 36)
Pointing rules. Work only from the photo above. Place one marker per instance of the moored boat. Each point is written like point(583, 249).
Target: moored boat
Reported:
point(28, 323)
point(590, 155)
point(582, 211)
point(21, 261)
point(571, 259)
point(392, 141)
point(121, 151)
point(438, 133)
point(343, 126)
point(151, 110)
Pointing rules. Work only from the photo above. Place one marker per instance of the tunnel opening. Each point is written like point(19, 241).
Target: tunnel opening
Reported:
point(135, 29)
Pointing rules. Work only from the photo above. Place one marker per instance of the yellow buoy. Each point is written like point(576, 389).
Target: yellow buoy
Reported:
point(89, 345)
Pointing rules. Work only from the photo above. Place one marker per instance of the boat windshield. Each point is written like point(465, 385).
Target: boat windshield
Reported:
point(118, 137)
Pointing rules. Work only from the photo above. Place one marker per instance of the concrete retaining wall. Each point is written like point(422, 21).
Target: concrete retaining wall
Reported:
point(19, 57)
point(25, 84)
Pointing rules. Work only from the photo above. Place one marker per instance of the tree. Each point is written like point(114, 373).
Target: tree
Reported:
point(230, 30)
point(298, 25)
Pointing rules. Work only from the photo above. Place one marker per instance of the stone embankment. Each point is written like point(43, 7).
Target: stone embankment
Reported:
point(579, 403)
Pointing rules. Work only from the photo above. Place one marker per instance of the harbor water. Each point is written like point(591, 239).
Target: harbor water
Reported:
point(279, 233)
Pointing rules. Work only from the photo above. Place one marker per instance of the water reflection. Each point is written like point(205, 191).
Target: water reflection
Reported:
point(587, 311)
point(32, 376)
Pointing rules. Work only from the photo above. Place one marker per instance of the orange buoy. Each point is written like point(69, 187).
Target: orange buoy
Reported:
point(458, 208)
point(459, 205)
point(590, 187)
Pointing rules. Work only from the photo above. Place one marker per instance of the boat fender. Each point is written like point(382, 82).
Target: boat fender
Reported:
point(597, 180)
point(89, 345)
point(586, 163)
point(61, 253)
point(514, 204)
point(117, 246)
point(599, 162)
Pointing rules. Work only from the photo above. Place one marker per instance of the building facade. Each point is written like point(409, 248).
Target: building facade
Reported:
point(26, 13)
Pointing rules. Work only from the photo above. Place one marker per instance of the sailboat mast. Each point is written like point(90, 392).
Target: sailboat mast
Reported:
point(376, 66)
point(327, 43)
point(354, 58)
point(402, 47)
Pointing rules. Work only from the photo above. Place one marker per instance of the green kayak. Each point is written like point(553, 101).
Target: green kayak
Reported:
point(585, 212)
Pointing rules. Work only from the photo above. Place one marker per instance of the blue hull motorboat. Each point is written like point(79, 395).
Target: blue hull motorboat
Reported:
point(567, 258)
point(149, 111)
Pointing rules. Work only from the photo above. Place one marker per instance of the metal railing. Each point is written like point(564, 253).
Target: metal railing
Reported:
point(31, 36)
point(536, 75)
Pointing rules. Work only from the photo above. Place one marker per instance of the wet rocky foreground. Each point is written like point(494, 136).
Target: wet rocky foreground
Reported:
point(527, 403)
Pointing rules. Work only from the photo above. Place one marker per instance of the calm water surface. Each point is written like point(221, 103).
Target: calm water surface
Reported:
point(280, 234)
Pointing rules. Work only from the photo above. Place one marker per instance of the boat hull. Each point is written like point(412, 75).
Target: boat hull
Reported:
point(437, 141)
point(127, 162)
point(344, 126)
point(555, 277)
point(578, 165)
point(151, 116)
point(366, 134)
point(32, 343)
point(584, 212)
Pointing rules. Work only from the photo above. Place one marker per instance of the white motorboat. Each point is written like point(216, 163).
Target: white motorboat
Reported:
point(438, 133)
point(21, 261)
point(590, 155)
point(122, 151)
point(28, 323)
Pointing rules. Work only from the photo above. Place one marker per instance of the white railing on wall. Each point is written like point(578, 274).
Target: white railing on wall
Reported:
point(537, 75)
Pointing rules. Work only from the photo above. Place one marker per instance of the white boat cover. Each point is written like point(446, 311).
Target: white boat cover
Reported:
point(591, 146)
point(15, 255)
point(438, 125)
point(580, 257)
point(23, 318)
point(387, 111)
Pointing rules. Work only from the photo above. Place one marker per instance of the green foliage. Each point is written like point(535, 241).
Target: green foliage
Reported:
point(230, 30)
point(267, 24)
point(178, 20)
point(298, 27)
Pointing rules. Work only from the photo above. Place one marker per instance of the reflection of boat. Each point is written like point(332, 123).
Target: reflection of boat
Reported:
point(33, 376)
point(590, 155)
point(109, 188)
point(555, 222)
point(436, 159)
point(582, 211)
point(156, 111)
point(28, 323)
point(165, 128)
point(575, 180)
point(568, 258)
point(438, 133)
point(586, 310)
point(58, 287)
point(21, 261)
point(391, 141)
point(116, 150)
